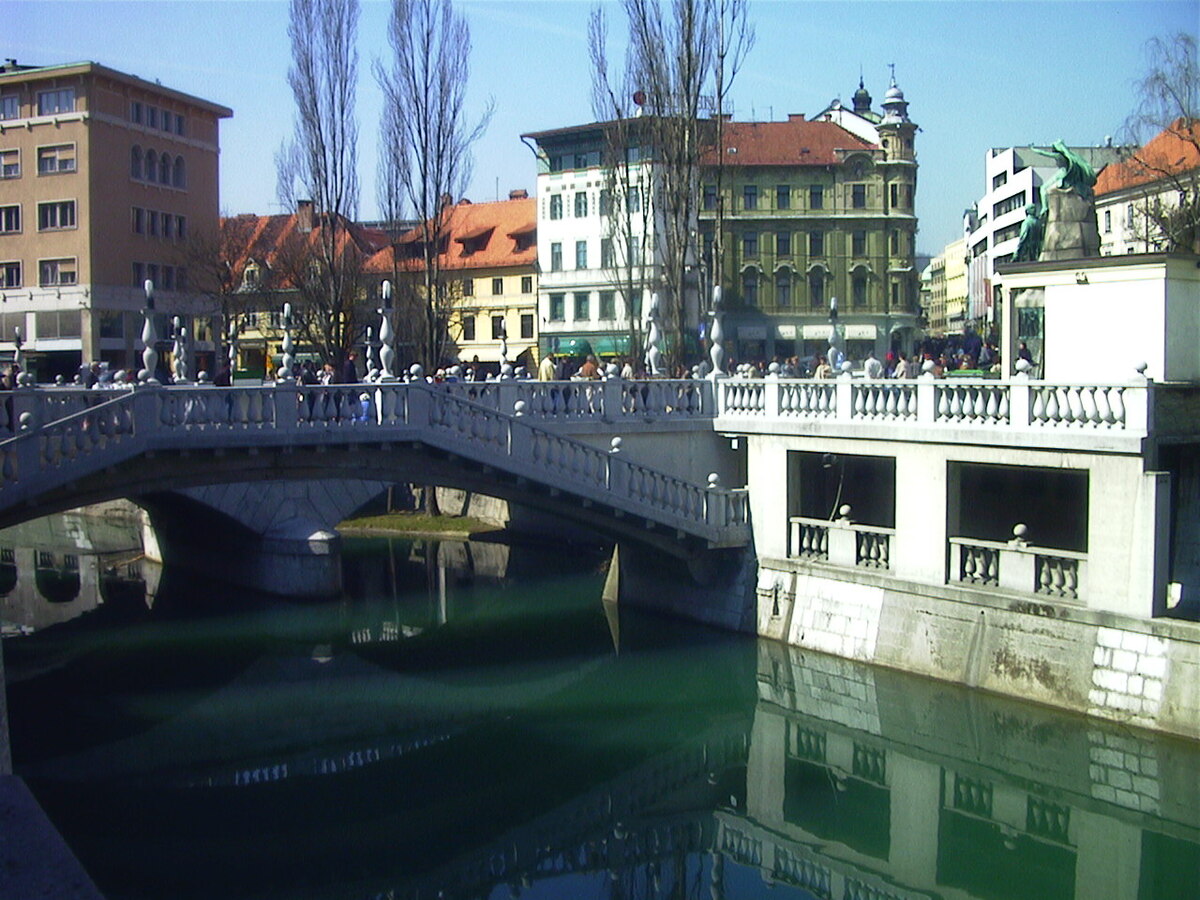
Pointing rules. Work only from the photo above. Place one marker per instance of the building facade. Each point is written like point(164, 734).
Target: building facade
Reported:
point(814, 210)
point(1158, 181)
point(105, 180)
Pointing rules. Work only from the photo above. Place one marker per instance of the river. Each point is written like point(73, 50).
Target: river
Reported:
point(470, 720)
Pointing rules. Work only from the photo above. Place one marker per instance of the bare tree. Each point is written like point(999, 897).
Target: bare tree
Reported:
point(319, 165)
point(427, 141)
point(676, 52)
point(1167, 117)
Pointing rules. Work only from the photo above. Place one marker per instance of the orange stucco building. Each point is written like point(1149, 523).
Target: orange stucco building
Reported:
point(106, 180)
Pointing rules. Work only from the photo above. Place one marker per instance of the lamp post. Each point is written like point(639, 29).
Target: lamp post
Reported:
point(179, 350)
point(716, 336)
point(835, 351)
point(653, 351)
point(387, 353)
point(288, 360)
point(149, 339)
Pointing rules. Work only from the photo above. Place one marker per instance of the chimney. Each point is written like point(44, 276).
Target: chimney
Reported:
point(518, 194)
point(304, 215)
point(795, 117)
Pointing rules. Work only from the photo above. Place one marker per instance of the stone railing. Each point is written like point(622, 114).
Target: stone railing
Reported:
point(1018, 404)
point(1018, 566)
point(103, 428)
point(610, 400)
point(840, 542)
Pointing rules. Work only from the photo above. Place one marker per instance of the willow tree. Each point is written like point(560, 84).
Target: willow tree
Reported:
point(318, 165)
point(427, 138)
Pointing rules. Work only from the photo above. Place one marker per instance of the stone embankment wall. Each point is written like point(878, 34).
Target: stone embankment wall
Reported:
point(1123, 669)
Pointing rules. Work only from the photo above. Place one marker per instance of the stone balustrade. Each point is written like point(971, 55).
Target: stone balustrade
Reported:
point(1018, 566)
point(840, 542)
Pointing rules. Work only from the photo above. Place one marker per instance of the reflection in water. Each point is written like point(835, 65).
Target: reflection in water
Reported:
point(463, 724)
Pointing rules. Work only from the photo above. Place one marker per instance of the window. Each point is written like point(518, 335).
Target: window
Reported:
point(61, 324)
point(710, 196)
point(468, 328)
point(859, 290)
point(635, 305)
point(858, 196)
point(151, 165)
point(816, 243)
point(10, 219)
point(816, 197)
point(783, 243)
point(181, 281)
point(581, 255)
point(750, 244)
point(556, 257)
point(633, 154)
point(1108, 221)
point(10, 163)
point(179, 129)
point(58, 158)
point(895, 242)
point(152, 116)
point(168, 278)
point(152, 223)
point(858, 243)
point(783, 288)
point(633, 200)
point(816, 290)
point(606, 253)
point(635, 250)
point(750, 197)
point(152, 273)
point(138, 221)
point(783, 196)
point(555, 163)
point(580, 205)
point(557, 304)
point(1016, 201)
point(895, 193)
point(56, 214)
point(895, 295)
point(135, 112)
point(56, 271)
point(164, 169)
point(750, 287)
point(181, 227)
point(10, 274)
point(179, 173)
point(998, 181)
point(10, 106)
point(112, 324)
point(605, 202)
point(498, 330)
point(582, 312)
point(167, 219)
point(526, 325)
point(497, 286)
point(468, 287)
point(556, 206)
point(60, 101)
point(139, 274)
point(526, 284)
point(135, 162)
point(608, 305)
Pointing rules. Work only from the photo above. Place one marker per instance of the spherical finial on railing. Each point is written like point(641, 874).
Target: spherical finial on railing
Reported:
point(714, 480)
point(59, 380)
point(1020, 530)
point(519, 408)
point(25, 419)
point(1021, 365)
point(615, 445)
point(844, 511)
point(415, 371)
point(847, 366)
point(773, 370)
point(1142, 367)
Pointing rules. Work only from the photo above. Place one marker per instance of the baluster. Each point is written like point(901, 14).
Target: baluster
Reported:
point(956, 407)
point(1066, 403)
point(1038, 412)
point(1043, 576)
point(1117, 401)
point(1104, 413)
point(1057, 576)
point(1052, 411)
point(892, 406)
point(981, 395)
point(885, 549)
point(993, 405)
point(993, 567)
point(943, 406)
point(1003, 410)
point(1071, 578)
point(1087, 401)
point(968, 563)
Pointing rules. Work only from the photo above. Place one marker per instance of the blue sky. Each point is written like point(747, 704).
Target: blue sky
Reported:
point(976, 75)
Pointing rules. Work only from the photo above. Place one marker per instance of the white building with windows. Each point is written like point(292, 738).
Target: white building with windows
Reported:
point(597, 256)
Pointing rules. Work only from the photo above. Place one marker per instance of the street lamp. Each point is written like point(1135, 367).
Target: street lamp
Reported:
point(387, 354)
point(149, 338)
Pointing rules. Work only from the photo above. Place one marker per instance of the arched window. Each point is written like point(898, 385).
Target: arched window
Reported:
point(164, 169)
point(151, 166)
point(179, 176)
point(135, 162)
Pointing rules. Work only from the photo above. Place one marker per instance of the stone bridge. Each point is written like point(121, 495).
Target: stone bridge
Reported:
point(72, 447)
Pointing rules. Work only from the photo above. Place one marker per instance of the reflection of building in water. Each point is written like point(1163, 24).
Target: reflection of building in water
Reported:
point(57, 568)
point(866, 783)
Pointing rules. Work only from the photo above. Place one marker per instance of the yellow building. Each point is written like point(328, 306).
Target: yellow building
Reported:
point(104, 179)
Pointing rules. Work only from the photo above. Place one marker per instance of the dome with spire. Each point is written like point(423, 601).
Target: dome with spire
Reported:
point(862, 98)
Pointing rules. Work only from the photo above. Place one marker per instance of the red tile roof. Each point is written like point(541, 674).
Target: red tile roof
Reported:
point(480, 236)
point(794, 142)
point(1173, 151)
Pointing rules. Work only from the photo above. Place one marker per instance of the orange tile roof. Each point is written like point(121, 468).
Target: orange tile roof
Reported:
point(794, 142)
point(480, 236)
point(1173, 151)
point(249, 237)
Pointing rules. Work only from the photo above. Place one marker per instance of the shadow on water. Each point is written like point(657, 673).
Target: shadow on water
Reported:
point(466, 722)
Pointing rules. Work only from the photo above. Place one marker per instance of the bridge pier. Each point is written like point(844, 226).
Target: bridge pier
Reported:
point(713, 587)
